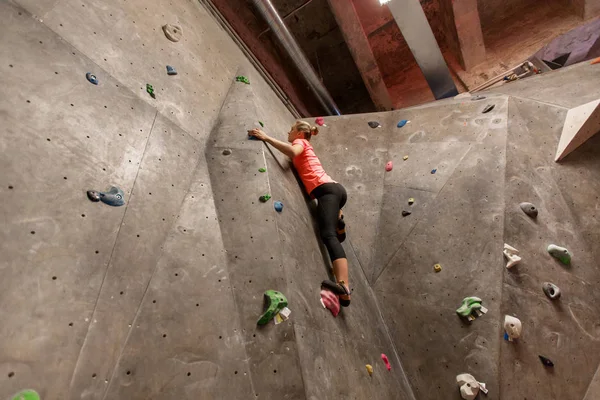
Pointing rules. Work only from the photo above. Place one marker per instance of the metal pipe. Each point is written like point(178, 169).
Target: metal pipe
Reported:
point(280, 30)
point(288, 15)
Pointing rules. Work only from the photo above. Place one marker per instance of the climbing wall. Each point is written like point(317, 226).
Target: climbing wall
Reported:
point(467, 172)
point(159, 298)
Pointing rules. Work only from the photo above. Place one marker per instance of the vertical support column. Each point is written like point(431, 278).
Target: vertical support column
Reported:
point(463, 28)
point(413, 24)
point(358, 43)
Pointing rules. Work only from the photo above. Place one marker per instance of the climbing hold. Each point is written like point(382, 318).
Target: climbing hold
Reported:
point(320, 121)
point(226, 152)
point(389, 166)
point(406, 213)
point(172, 32)
point(469, 306)
point(386, 361)
point(488, 108)
point(369, 369)
point(405, 158)
point(113, 197)
point(437, 267)
point(278, 206)
point(595, 61)
point(551, 290)
point(513, 328)
point(402, 123)
point(261, 124)
point(262, 170)
point(171, 70)
point(411, 201)
point(560, 253)
point(91, 78)
point(546, 361)
point(374, 124)
point(478, 97)
point(529, 209)
point(150, 90)
point(469, 387)
point(511, 255)
point(243, 79)
point(433, 171)
point(274, 302)
point(330, 301)
point(27, 394)
point(264, 198)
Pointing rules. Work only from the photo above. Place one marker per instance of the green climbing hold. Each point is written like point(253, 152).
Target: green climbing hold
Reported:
point(469, 304)
point(243, 79)
point(274, 302)
point(560, 253)
point(264, 198)
point(150, 90)
point(261, 124)
point(26, 395)
point(262, 170)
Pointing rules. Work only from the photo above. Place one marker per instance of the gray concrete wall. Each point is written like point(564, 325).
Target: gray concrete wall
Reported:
point(159, 298)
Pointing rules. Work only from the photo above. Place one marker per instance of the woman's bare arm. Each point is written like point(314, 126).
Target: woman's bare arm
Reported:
point(289, 150)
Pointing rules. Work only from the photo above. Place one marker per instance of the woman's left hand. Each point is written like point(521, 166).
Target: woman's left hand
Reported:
point(257, 133)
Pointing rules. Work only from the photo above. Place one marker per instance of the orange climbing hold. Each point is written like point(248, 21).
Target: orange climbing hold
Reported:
point(595, 61)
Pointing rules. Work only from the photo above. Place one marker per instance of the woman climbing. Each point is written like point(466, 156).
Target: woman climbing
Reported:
point(331, 197)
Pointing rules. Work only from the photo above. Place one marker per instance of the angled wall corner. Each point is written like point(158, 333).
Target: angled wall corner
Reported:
point(581, 123)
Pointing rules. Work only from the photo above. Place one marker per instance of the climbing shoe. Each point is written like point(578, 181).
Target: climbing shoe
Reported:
point(339, 289)
point(341, 229)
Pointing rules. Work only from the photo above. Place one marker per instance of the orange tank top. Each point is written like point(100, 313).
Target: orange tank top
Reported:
point(309, 167)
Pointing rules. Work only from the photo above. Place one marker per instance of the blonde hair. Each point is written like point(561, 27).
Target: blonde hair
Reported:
point(304, 127)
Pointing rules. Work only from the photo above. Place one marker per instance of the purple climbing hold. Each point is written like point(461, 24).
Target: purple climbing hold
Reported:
point(546, 361)
point(488, 108)
point(406, 213)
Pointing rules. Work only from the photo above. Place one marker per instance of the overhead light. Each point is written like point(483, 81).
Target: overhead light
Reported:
point(382, 2)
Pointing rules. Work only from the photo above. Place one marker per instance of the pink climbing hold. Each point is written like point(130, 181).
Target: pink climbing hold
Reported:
point(386, 361)
point(320, 121)
point(389, 166)
point(330, 301)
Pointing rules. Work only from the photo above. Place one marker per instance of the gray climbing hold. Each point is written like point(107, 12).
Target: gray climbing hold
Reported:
point(406, 213)
point(560, 253)
point(113, 197)
point(488, 108)
point(478, 97)
point(172, 32)
point(226, 152)
point(374, 124)
point(529, 209)
point(171, 70)
point(551, 290)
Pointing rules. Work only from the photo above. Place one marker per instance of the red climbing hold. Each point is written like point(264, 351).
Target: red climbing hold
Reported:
point(320, 121)
point(389, 166)
point(330, 301)
point(386, 361)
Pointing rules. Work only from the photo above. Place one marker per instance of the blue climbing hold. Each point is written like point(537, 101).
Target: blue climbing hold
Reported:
point(171, 70)
point(402, 123)
point(278, 206)
point(91, 78)
point(433, 171)
point(114, 197)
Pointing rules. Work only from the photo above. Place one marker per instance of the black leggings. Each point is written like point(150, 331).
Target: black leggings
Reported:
point(331, 197)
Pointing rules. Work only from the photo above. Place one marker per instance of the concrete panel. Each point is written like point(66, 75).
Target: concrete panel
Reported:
point(129, 44)
point(435, 345)
point(153, 206)
point(198, 347)
point(335, 365)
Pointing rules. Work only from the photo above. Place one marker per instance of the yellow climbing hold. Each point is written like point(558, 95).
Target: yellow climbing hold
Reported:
point(405, 158)
point(437, 267)
point(369, 369)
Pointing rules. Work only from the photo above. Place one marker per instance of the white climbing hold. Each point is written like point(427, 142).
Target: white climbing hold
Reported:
point(511, 255)
point(172, 32)
point(469, 387)
point(513, 327)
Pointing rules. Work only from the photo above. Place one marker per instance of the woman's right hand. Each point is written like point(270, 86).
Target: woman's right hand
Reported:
point(257, 133)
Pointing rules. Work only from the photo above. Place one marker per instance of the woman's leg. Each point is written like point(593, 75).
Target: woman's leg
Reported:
point(327, 213)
